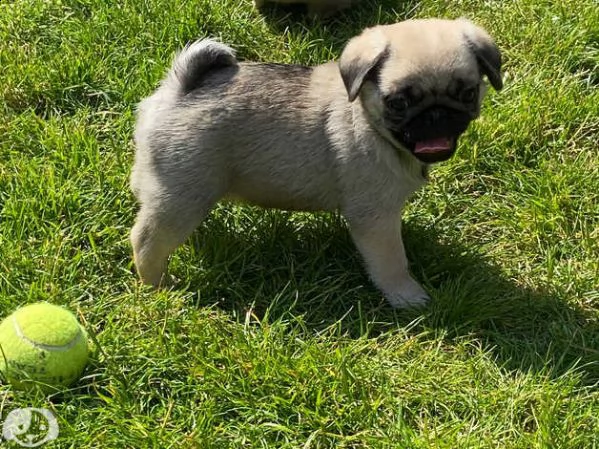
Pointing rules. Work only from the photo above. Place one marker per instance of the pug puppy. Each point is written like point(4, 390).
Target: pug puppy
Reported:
point(323, 8)
point(356, 136)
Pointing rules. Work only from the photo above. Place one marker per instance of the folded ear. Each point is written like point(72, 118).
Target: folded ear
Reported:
point(486, 52)
point(360, 56)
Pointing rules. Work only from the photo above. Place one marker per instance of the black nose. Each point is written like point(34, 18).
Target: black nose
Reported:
point(437, 114)
point(434, 116)
point(437, 121)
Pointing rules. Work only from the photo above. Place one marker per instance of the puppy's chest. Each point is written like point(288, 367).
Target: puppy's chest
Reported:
point(382, 175)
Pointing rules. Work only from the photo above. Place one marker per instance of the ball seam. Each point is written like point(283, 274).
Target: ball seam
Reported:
point(43, 346)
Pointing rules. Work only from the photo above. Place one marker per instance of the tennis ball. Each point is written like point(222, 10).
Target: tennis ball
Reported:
point(42, 344)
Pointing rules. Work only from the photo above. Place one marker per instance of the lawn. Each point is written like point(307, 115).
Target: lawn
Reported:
point(275, 338)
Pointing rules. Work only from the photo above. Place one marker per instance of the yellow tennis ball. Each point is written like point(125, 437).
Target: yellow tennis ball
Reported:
point(42, 344)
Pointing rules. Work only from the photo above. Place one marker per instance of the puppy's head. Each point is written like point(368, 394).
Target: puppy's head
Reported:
point(421, 81)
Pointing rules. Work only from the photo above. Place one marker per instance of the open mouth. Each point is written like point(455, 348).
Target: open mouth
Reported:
point(434, 150)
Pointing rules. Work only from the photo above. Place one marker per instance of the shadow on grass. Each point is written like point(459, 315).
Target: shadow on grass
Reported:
point(284, 266)
point(528, 329)
point(336, 29)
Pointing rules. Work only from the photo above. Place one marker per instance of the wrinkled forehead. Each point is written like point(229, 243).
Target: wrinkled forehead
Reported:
point(431, 61)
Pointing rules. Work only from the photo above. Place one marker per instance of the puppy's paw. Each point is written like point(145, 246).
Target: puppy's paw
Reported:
point(409, 295)
point(167, 281)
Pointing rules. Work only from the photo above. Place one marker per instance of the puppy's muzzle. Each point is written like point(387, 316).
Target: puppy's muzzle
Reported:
point(433, 134)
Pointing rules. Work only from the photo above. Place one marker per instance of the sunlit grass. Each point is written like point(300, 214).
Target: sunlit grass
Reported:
point(276, 337)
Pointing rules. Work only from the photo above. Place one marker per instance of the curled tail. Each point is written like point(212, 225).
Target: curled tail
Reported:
point(194, 61)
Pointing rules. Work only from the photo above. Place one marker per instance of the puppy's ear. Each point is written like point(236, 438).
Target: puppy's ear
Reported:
point(486, 52)
point(360, 56)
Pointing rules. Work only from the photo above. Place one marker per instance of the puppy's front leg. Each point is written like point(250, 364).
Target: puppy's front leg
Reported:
point(380, 243)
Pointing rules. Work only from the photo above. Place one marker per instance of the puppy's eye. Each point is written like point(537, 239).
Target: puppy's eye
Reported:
point(469, 95)
point(398, 104)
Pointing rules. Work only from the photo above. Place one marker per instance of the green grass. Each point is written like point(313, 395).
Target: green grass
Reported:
point(276, 338)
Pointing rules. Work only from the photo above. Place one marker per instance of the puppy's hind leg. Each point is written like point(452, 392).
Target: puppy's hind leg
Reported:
point(160, 227)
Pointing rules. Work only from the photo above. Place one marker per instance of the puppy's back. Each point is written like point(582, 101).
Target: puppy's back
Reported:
point(261, 126)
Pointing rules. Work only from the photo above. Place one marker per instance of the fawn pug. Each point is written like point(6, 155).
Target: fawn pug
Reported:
point(355, 135)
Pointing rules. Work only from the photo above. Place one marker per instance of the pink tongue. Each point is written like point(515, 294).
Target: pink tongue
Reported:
point(433, 145)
